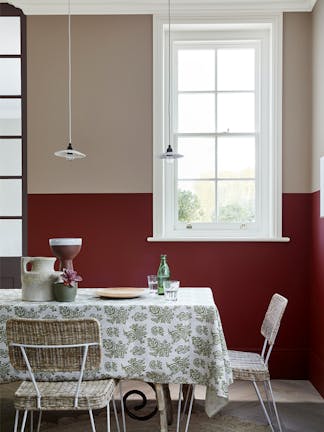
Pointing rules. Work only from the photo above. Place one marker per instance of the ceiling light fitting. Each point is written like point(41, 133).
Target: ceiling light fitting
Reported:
point(170, 155)
point(70, 153)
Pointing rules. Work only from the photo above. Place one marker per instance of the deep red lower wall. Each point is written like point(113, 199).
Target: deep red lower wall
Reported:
point(316, 358)
point(243, 276)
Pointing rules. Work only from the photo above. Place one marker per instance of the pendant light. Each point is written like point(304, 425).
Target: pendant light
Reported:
point(170, 155)
point(69, 153)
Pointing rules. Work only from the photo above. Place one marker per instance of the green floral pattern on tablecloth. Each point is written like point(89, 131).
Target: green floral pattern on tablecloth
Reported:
point(145, 338)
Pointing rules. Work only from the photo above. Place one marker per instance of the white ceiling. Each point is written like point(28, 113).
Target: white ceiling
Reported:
point(53, 7)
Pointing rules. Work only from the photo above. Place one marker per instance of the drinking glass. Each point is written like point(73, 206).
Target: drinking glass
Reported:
point(171, 288)
point(152, 284)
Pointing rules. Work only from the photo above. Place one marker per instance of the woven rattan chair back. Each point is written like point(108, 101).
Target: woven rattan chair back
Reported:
point(272, 319)
point(54, 332)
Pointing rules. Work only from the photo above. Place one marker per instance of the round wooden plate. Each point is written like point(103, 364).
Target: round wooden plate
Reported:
point(120, 292)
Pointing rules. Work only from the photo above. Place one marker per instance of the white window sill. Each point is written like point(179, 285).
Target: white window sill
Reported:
point(218, 239)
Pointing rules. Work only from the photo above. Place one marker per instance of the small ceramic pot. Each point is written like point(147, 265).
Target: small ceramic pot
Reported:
point(63, 293)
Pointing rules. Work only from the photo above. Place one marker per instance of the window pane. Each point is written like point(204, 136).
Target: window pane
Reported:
point(196, 70)
point(236, 157)
point(10, 238)
point(199, 158)
point(10, 117)
point(196, 113)
point(10, 157)
point(236, 69)
point(235, 112)
point(10, 197)
point(9, 35)
point(10, 81)
point(236, 201)
point(196, 201)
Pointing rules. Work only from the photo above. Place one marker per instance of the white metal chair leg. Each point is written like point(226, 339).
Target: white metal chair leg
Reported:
point(190, 408)
point(16, 421)
point(39, 420)
point(108, 417)
point(116, 415)
point(269, 404)
point(23, 424)
point(93, 427)
point(179, 408)
point(274, 405)
point(263, 406)
point(122, 406)
point(186, 402)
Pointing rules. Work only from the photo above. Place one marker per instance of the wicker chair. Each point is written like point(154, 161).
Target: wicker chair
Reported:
point(253, 367)
point(250, 366)
point(58, 346)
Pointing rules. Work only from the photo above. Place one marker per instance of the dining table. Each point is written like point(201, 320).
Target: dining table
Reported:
point(144, 338)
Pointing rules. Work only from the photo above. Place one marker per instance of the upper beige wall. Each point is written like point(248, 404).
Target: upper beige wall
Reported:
point(318, 91)
point(112, 103)
point(297, 76)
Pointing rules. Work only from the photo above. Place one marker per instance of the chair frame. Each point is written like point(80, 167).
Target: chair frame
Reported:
point(269, 339)
point(185, 403)
point(85, 346)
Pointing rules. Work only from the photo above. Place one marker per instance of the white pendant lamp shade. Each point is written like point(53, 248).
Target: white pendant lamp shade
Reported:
point(70, 153)
point(170, 154)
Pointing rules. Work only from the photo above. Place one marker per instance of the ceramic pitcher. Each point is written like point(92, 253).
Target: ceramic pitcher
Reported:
point(37, 283)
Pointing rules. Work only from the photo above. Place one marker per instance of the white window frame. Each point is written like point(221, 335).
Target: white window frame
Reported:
point(268, 32)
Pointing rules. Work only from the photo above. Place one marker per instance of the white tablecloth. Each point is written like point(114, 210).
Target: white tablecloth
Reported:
point(146, 338)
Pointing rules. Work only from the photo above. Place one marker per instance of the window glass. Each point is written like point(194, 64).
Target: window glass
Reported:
point(10, 157)
point(235, 69)
point(196, 112)
point(196, 201)
point(10, 197)
point(209, 159)
point(10, 80)
point(235, 112)
point(11, 238)
point(196, 70)
point(236, 201)
point(9, 35)
point(236, 157)
point(199, 157)
point(10, 117)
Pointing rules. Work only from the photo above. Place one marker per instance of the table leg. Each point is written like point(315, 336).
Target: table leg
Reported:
point(160, 396)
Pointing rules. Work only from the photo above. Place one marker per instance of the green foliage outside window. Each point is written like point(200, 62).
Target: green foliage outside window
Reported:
point(189, 210)
point(188, 206)
point(236, 214)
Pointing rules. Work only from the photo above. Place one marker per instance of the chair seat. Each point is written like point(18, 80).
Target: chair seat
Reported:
point(61, 395)
point(248, 366)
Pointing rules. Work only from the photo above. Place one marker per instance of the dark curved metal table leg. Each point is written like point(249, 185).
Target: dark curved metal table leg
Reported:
point(163, 405)
point(140, 406)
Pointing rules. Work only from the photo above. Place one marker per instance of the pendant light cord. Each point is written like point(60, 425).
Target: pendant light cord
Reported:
point(70, 74)
point(69, 153)
point(170, 94)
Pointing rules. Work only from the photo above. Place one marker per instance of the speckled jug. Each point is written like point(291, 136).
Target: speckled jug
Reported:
point(37, 283)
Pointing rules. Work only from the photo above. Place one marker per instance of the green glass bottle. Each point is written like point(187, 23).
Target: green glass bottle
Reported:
point(162, 274)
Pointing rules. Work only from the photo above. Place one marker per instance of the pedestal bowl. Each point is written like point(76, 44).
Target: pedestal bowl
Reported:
point(65, 249)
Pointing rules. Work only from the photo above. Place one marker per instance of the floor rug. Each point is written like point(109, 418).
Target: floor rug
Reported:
point(199, 423)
